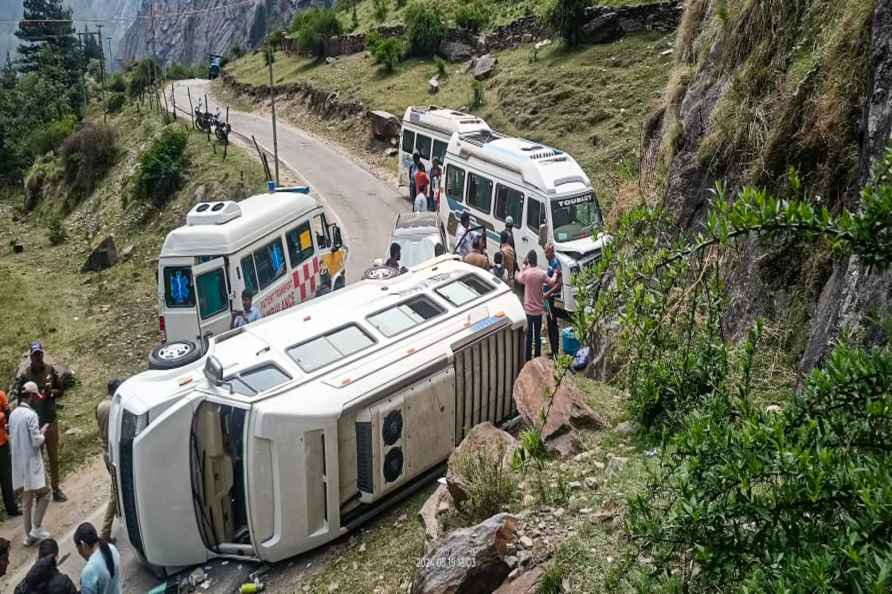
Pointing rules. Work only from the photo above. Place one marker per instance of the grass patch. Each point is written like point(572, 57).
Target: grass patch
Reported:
point(590, 103)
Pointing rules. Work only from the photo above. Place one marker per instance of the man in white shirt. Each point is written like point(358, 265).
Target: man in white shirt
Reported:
point(464, 237)
point(420, 203)
point(28, 473)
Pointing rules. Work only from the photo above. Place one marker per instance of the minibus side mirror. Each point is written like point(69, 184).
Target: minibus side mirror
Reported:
point(543, 235)
point(336, 242)
point(213, 371)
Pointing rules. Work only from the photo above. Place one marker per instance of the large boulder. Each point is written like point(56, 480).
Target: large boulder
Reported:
point(525, 583)
point(467, 561)
point(104, 256)
point(484, 66)
point(569, 410)
point(456, 51)
point(603, 29)
point(484, 437)
point(436, 505)
point(384, 124)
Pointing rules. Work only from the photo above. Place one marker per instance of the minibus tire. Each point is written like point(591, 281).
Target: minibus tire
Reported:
point(165, 356)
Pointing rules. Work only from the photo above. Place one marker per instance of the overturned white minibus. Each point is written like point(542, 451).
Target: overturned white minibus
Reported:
point(292, 430)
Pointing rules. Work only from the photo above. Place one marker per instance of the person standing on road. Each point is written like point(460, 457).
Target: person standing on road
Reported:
point(509, 229)
point(477, 257)
point(50, 389)
point(44, 576)
point(533, 278)
point(434, 194)
point(420, 204)
point(413, 169)
point(28, 474)
point(498, 268)
point(9, 501)
point(552, 291)
point(464, 237)
point(509, 258)
point(422, 186)
point(102, 412)
point(102, 573)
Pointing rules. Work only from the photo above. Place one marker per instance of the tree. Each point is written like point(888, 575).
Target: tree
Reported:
point(568, 17)
point(425, 28)
point(313, 27)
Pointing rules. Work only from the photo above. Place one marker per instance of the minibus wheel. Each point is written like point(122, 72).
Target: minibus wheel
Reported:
point(171, 355)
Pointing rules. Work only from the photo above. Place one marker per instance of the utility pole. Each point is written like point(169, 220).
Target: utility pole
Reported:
point(111, 64)
point(83, 38)
point(272, 94)
point(154, 49)
point(102, 74)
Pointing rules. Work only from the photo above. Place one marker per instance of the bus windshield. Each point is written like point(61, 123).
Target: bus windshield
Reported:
point(575, 218)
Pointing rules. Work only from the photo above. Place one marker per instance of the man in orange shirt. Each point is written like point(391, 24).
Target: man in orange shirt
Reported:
point(9, 501)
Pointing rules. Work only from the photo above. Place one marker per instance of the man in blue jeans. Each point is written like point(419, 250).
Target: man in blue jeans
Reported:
point(533, 279)
point(551, 291)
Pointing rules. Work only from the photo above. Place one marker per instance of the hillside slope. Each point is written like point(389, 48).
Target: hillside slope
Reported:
point(761, 87)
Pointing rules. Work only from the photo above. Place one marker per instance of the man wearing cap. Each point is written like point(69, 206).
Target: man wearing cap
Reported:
point(509, 229)
point(49, 389)
point(28, 474)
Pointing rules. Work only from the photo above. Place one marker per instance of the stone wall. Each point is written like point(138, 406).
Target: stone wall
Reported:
point(321, 102)
point(608, 23)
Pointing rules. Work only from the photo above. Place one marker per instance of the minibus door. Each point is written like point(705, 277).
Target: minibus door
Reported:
point(212, 296)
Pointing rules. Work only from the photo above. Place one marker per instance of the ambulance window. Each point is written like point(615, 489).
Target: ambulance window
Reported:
point(439, 150)
point(464, 290)
point(212, 295)
point(321, 351)
point(423, 146)
point(455, 183)
point(300, 244)
point(408, 141)
point(249, 274)
point(408, 314)
point(480, 192)
point(270, 262)
point(178, 289)
point(259, 379)
point(535, 215)
point(509, 203)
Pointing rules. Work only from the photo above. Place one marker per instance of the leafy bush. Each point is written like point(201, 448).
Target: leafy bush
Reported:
point(425, 27)
point(388, 52)
point(490, 485)
point(49, 136)
point(477, 94)
point(87, 155)
point(380, 10)
point(471, 16)
point(236, 51)
point(161, 167)
point(313, 27)
point(115, 102)
point(440, 63)
point(182, 71)
point(143, 74)
point(56, 231)
point(118, 84)
point(568, 17)
point(399, 3)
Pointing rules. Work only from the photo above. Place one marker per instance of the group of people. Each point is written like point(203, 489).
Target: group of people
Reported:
point(29, 429)
point(424, 187)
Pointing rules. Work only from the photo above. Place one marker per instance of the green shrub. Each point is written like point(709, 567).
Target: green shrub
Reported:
point(489, 483)
point(380, 10)
point(472, 16)
point(87, 155)
point(48, 137)
point(399, 3)
point(313, 27)
point(115, 102)
point(568, 17)
point(425, 27)
point(183, 71)
point(236, 51)
point(477, 94)
point(56, 231)
point(118, 84)
point(441, 65)
point(388, 52)
point(161, 167)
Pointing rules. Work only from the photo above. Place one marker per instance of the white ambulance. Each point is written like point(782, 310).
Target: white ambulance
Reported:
point(544, 191)
point(297, 428)
point(428, 130)
point(279, 246)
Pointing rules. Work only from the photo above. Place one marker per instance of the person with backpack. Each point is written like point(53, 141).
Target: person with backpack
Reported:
point(102, 573)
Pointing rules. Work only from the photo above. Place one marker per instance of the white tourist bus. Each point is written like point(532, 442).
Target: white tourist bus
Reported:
point(291, 431)
point(278, 245)
point(545, 192)
point(428, 130)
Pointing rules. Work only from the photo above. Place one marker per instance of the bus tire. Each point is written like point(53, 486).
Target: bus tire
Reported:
point(174, 354)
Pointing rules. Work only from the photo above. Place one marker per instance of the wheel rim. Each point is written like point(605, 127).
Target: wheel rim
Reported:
point(173, 351)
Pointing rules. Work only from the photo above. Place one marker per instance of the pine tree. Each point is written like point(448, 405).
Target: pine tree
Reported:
point(7, 74)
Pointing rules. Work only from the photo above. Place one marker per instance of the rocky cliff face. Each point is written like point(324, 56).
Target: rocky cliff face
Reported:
point(195, 29)
point(757, 88)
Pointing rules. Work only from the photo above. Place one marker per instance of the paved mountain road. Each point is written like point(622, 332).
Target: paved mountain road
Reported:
point(363, 204)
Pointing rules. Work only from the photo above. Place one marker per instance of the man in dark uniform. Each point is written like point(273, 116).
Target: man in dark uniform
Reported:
point(51, 388)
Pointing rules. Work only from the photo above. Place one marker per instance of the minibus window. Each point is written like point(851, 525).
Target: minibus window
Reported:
point(321, 351)
point(439, 150)
point(509, 203)
point(403, 316)
point(479, 192)
point(212, 295)
point(455, 183)
point(464, 290)
point(249, 274)
point(270, 261)
point(423, 146)
point(535, 215)
point(178, 289)
point(408, 141)
point(259, 379)
point(300, 244)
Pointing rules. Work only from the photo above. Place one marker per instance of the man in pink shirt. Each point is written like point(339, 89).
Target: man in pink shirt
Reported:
point(533, 279)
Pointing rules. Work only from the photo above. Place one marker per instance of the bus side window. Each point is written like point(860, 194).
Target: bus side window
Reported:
point(455, 183)
point(509, 202)
point(423, 146)
point(480, 193)
point(535, 215)
point(439, 150)
point(408, 141)
point(320, 228)
point(300, 244)
point(249, 273)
